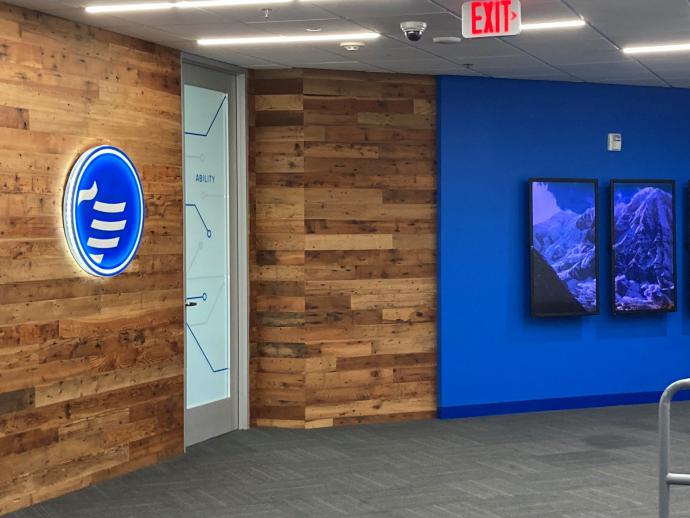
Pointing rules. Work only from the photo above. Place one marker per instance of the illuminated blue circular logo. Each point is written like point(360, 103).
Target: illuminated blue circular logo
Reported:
point(103, 211)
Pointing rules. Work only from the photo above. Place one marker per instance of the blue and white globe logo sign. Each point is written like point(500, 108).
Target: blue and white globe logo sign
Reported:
point(103, 211)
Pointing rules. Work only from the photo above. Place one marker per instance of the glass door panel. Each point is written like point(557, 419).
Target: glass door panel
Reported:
point(207, 245)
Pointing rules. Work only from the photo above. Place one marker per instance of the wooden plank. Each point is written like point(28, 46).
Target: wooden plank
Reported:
point(349, 242)
point(17, 400)
point(17, 118)
point(278, 102)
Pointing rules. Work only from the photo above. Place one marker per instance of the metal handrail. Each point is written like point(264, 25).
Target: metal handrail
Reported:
point(667, 479)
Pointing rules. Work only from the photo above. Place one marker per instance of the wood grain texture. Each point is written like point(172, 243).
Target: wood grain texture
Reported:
point(90, 369)
point(343, 258)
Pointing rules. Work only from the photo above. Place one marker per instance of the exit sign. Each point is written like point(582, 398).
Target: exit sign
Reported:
point(491, 18)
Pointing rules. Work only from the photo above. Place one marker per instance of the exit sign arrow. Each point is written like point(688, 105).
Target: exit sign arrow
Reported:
point(491, 18)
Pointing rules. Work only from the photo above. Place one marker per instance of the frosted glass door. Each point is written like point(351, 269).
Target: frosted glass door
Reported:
point(207, 238)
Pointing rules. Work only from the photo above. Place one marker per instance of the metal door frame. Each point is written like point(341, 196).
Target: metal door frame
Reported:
point(204, 72)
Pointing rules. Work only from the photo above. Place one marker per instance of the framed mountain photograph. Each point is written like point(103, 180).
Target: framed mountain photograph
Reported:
point(563, 247)
point(643, 248)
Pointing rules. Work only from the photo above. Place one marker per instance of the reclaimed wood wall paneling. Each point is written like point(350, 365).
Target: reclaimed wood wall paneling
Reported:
point(343, 268)
point(91, 369)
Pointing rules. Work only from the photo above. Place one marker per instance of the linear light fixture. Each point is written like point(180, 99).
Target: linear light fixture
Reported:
point(658, 49)
point(181, 4)
point(281, 40)
point(558, 24)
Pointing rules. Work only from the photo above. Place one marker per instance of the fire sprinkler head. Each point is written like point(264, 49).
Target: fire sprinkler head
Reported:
point(352, 46)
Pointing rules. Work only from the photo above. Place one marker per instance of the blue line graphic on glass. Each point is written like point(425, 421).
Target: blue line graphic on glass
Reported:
point(203, 353)
point(104, 211)
point(208, 230)
point(210, 126)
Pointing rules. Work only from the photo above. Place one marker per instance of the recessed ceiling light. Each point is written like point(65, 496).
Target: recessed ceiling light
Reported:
point(313, 29)
point(558, 24)
point(182, 4)
point(656, 49)
point(281, 40)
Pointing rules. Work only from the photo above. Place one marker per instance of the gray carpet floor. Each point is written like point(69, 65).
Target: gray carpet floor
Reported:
point(581, 464)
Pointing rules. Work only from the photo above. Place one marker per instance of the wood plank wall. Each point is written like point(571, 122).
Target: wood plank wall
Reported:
point(90, 369)
point(343, 258)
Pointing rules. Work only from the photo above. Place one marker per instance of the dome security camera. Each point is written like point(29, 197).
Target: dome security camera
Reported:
point(413, 30)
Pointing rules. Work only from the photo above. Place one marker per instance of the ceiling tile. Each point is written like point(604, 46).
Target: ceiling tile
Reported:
point(680, 83)
point(590, 53)
point(544, 76)
point(295, 55)
point(637, 22)
point(545, 10)
point(365, 9)
point(383, 54)
point(439, 24)
point(171, 17)
point(153, 34)
point(280, 12)
point(532, 10)
point(346, 65)
point(292, 27)
point(581, 45)
point(78, 14)
point(475, 49)
point(195, 31)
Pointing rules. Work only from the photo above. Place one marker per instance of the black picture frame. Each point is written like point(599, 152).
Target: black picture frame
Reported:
point(535, 312)
point(651, 182)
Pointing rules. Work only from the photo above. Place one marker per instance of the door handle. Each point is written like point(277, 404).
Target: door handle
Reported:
point(190, 304)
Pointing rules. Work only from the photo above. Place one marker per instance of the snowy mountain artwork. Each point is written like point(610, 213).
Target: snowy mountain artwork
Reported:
point(564, 255)
point(643, 232)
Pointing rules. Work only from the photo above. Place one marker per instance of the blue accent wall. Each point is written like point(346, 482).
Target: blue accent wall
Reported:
point(493, 135)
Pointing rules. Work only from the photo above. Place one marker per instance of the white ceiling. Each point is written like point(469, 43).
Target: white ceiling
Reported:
point(591, 53)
